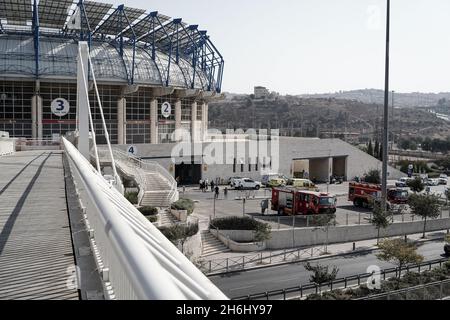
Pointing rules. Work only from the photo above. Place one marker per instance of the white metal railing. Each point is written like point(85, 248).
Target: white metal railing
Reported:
point(7, 146)
point(139, 170)
point(140, 263)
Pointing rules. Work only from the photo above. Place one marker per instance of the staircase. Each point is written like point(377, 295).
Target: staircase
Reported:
point(167, 219)
point(157, 187)
point(212, 245)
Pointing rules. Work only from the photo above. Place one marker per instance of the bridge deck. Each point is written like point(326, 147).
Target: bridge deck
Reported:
point(36, 256)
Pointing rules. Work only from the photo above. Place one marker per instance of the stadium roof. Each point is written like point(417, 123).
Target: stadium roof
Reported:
point(131, 35)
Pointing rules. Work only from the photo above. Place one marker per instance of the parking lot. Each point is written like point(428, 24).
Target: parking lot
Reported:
point(234, 205)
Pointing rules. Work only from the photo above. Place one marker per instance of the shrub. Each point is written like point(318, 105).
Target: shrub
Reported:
point(179, 233)
point(261, 230)
point(184, 204)
point(148, 211)
point(152, 219)
point(132, 197)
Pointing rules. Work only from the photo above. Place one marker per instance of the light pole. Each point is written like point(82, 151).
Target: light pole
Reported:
point(214, 206)
point(386, 112)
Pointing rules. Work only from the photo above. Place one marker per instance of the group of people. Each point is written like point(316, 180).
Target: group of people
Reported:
point(204, 184)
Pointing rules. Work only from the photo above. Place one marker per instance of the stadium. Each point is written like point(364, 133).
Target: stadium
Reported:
point(142, 60)
point(156, 77)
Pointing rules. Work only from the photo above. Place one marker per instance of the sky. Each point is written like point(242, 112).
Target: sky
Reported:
point(321, 46)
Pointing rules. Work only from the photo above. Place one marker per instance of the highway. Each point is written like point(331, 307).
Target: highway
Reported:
point(280, 277)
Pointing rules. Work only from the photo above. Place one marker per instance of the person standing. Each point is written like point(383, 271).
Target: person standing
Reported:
point(212, 186)
point(217, 192)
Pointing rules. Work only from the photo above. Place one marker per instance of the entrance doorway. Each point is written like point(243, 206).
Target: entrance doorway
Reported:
point(188, 174)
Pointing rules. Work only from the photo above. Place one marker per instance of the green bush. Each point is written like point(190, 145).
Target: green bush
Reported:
point(132, 197)
point(261, 230)
point(184, 204)
point(152, 219)
point(148, 211)
point(179, 232)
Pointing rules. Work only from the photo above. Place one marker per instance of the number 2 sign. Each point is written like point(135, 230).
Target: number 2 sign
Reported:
point(60, 107)
point(166, 109)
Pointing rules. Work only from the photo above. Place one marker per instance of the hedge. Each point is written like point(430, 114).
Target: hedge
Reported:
point(262, 230)
point(148, 211)
point(132, 197)
point(184, 204)
point(179, 231)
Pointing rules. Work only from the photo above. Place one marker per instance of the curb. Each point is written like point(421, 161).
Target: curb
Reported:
point(360, 251)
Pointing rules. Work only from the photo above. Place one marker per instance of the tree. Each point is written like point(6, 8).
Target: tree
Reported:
point(376, 151)
point(426, 206)
point(380, 218)
point(399, 253)
point(373, 176)
point(370, 148)
point(321, 274)
point(179, 233)
point(416, 185)
point(324, 221)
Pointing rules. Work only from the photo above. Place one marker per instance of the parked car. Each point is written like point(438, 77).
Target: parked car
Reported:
point(277, 182)
point(432, 182)
point(248, 184)
point(443, 181)
point(267, 177)
point(403, 182)
point(233, 181)
point(304, 184)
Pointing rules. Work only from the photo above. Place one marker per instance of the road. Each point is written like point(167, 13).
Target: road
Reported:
point(280, 277)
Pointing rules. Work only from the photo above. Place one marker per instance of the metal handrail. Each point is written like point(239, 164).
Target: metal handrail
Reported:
point(140, 263)
point(148, 166)
point(345, 281)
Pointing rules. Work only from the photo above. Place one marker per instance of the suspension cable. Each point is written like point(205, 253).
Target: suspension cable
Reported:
point(94, 140)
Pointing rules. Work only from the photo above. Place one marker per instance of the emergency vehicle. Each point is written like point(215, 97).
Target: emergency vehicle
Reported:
point(363, 194)
point(292, 201)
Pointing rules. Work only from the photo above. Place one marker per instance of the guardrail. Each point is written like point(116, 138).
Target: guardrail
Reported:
point(37, 144)
point(138, 168)
point(302, 291)
point(233, 264)
point(431, 291)
point(134, 258)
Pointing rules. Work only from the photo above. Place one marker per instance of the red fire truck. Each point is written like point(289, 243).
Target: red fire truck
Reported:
point(363, 194)
point(292, 201)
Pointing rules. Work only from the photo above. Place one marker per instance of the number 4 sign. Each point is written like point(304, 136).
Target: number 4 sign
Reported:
point(132, 150)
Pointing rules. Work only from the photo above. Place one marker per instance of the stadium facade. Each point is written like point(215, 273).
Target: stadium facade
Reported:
point(143, 61)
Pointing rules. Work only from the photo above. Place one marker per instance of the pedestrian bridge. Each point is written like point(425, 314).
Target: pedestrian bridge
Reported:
point(48, 201)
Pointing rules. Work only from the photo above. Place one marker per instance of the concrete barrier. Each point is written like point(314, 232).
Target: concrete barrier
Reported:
point(181, 215)
point(231, 239)
point(7, 146)
point(291, 238)
point(193, 247)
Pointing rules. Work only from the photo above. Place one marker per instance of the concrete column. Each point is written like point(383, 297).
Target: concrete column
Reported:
point(177, 119)
point(204, 121)
point(154, 121)
point(121, 121)
point(82, 111)
point(194, 126)
point(36, 117)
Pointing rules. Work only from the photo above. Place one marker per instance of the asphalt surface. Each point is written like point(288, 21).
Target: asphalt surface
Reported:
point(281, 277)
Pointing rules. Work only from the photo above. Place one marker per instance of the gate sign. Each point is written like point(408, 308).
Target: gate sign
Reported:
point(132, 150)
point(60, 107)
point(166, 109)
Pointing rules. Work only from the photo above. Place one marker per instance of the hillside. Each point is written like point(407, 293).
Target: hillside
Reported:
point(324, 117)
point(404, 100)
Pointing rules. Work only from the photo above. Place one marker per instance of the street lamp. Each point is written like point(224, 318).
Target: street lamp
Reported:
point(386, 112)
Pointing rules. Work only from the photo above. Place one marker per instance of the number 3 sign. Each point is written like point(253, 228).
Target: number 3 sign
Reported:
point(166, 109)
point(60, 107)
